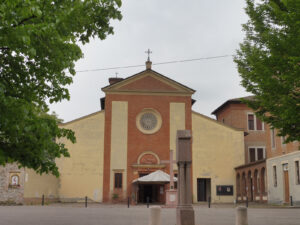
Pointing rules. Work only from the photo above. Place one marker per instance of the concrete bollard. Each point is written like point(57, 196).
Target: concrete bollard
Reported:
point(155, 217)
point(241, 216)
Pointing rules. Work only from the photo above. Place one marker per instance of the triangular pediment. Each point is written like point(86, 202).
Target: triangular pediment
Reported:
point(149, 81)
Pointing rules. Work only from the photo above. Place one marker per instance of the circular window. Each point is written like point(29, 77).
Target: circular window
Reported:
point(148, 121)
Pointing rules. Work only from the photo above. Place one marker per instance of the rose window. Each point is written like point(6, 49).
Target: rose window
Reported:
point(148, 121)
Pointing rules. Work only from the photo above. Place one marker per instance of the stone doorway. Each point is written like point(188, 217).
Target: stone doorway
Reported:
point(152, 191)
point(203, 189)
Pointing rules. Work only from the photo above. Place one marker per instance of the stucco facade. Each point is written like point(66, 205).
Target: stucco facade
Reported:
point(81, 174)
point(217, 150)
point(276, 189)
point(37, 185)
point(283, 170)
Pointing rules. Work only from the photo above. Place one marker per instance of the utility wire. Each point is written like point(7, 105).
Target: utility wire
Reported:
point(159, 63)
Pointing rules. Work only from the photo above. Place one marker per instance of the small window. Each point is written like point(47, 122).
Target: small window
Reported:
point(297, 172)
point(259, 125)
point(273, 140)
point(250, 121)
point(256, 153)
point(274, 176)
point(252, 154)
point(260, 153)
point(254, 123)
point(118, 180)
point(285, 167)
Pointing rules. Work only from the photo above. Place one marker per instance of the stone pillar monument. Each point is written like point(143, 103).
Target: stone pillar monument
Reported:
point(184, 212)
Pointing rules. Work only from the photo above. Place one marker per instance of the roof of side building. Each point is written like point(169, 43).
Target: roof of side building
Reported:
point(81, 118)
point(233, 100)
point(217, 122)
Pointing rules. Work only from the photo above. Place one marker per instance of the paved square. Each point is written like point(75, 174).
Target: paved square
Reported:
point(120, 215)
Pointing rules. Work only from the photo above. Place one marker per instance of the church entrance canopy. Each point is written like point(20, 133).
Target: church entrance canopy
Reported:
point(151, 188)
point(155, 177)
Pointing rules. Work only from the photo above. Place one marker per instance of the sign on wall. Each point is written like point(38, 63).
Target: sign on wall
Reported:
point(224, 189)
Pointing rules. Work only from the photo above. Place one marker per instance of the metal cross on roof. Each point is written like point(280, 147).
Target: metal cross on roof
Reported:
point(148, 52)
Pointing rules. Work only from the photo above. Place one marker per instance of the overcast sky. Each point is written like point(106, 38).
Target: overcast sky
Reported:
point(173, 30)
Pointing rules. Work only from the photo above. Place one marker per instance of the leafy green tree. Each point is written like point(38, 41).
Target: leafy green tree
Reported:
point(39, 43)
point(269, 63)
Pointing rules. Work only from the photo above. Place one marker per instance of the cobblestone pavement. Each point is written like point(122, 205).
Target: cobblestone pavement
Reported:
point(76, 214)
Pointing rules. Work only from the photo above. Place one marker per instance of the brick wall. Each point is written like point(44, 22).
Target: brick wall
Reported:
point(279, 148)
point(236, 115)
point(138, 142)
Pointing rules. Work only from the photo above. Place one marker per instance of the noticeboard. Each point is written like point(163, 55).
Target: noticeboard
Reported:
point(224, 189)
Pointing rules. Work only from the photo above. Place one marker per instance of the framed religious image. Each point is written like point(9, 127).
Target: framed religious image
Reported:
point(14, 179)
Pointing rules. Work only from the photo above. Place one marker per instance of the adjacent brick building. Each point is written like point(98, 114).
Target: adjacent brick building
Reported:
point(265, 153)
point(250, 176)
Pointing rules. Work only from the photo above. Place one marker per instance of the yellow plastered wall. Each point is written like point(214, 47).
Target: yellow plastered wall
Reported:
point(217, 150)
point(119, 130)
point(37, 185)
point(177, 122)
point(82, 174)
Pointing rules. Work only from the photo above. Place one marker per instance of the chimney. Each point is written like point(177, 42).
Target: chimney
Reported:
point(114, 80)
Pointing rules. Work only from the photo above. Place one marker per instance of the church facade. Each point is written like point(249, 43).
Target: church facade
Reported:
point(131, 136)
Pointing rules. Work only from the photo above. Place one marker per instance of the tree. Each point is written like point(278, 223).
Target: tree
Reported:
point(39, 43)
point(268, 62)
